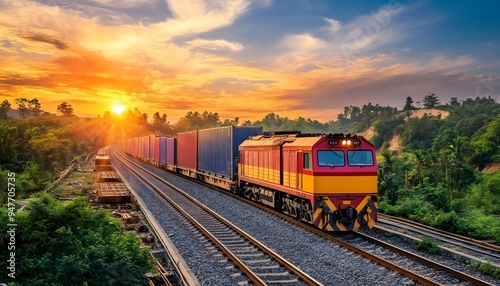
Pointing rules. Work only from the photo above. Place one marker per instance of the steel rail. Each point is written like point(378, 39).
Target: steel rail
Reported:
point(423, 227)
point(252, 276)
point(423, 260)
point(180, 267)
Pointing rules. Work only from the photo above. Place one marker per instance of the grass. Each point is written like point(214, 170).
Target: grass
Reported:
point(486, 268)
point(75, 184)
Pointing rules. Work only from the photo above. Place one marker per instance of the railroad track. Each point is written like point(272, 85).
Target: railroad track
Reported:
point(260, 264)
point(420, 273)
point(471, 247)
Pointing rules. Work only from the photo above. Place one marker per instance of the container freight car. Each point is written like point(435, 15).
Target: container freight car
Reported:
point(218, 153)
point(151, 149)
point(171, 153)
point(163, 151)
point(156, 156)
point(187, 146)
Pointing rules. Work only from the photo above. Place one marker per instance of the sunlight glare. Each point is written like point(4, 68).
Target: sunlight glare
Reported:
point(118, 108)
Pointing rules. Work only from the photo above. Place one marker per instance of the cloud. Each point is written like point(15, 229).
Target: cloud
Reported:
point(197, 16)
point(214, 45)
point(174, 56)
point(334, 25)
point(236, 85)
point(58, 43)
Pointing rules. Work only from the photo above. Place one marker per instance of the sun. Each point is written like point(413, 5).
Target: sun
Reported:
point(118, 108)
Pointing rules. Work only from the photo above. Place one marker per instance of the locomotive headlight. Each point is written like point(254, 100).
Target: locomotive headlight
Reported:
point(356, 142)
point(344, 142)
point(348, 142)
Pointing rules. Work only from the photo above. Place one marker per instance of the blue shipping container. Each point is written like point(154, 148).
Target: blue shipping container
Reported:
point(218, 149)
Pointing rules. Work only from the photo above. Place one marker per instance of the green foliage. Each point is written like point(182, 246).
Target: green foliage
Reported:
point(445, 220)
point(385, 128)
point(488, 268)
point(486, 144)
point(70, 244)
point(428, 245)
point(485, 267)
point(419, 133)
point(430, 100)
point(37, 149)
point(475, 223)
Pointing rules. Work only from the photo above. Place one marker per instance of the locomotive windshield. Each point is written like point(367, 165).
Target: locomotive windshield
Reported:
point(331, 158)
point(360, 158)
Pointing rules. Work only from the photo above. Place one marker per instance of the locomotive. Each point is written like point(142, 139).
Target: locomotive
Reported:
point(326, 180)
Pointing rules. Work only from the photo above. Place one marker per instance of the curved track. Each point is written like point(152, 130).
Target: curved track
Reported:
point(261, 265)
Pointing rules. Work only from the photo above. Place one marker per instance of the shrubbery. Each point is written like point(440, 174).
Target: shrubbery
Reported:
point(70, 244)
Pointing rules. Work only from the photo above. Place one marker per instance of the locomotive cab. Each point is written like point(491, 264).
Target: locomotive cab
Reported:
point(345, 172)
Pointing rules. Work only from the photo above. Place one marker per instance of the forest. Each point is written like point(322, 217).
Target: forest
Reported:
point(441, 170)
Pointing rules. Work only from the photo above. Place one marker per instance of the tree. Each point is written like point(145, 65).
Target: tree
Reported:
point(228, 122)
point(22, 106)
point(65, 109)
point(4, 109)
point(159, 120)
point(386, 184)
point(454, 102)
point(71, 244)
point(35, 107)
point(408, 104)
point(430, 100)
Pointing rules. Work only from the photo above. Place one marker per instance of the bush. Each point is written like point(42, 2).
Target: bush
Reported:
point(428, 245)
point(445, 221)
point(476, 224)
point(70, 244)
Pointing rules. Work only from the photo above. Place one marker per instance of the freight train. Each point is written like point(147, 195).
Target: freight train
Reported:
point(327, 180)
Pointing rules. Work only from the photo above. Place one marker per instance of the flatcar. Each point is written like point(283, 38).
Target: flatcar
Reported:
point(329, 181)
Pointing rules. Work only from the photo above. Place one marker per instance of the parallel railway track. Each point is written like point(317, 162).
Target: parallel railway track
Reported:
point(465, 245)
point(260, 264)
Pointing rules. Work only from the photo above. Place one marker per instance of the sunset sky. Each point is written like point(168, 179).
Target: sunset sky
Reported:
point(246, 58)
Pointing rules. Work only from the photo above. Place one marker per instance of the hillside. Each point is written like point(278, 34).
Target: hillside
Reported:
point(432, 111)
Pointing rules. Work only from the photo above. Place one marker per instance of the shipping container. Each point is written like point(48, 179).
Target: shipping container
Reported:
point(151, 147)
point(171, 152)
point(157, 150)
point(163, 150)
point(218, 149)
point(134, 147)
point(146, 149)
point(187, 150)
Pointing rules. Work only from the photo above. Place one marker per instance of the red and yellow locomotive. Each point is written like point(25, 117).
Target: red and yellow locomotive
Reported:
point(326, 180)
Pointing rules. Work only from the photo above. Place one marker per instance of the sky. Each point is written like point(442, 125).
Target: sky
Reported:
point(246, 58)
